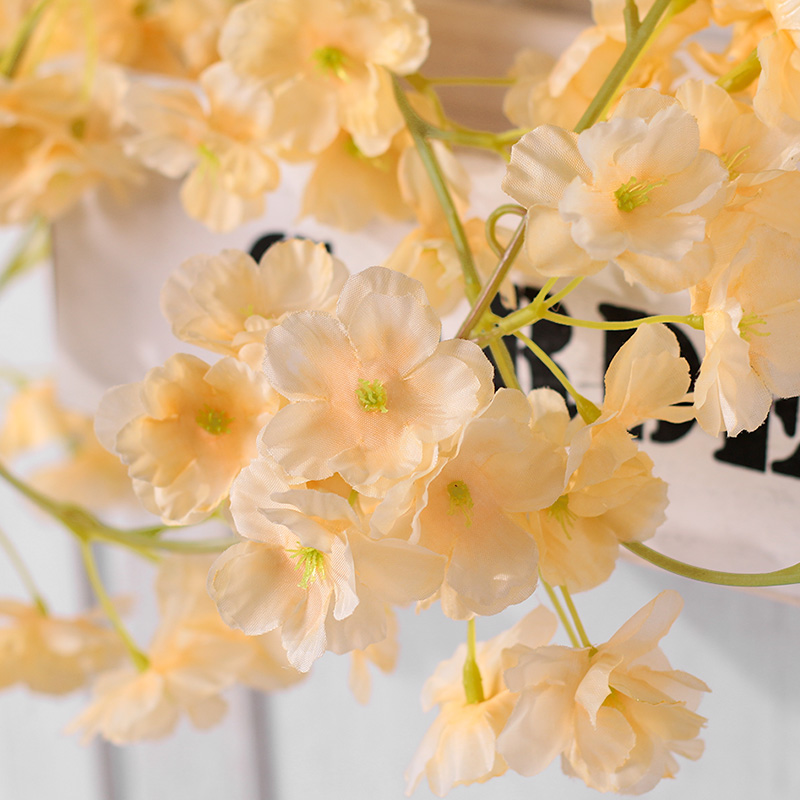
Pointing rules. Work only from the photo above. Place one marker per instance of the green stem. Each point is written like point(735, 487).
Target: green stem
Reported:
point(586, 408)
point(486, 140)
point(87, 526)
point(575, 618)
point(33, 250)
point(140, 660)
point(631, 16)
point(491, 225)
point(505, 366)
point(742, 75)
point(23, 571)
point(562, 615)
point(492, 286)
point(419, 130)
point(781, 577)
point(634, 47)
point(693, 320)
point(473, 684)
point(13, 53)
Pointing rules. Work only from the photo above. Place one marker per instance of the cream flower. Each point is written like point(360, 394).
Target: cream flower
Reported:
point(52, 654)
point(617, 714)
point(223, 143)
point(193, 658)
point(459, 748)
point(185, 432)
point(636, 191)
point(306, 567)
point(59, 138)
point(471, 508)
point(369, 389)
point(227, 303)
point(329, 65)
point(750, 315)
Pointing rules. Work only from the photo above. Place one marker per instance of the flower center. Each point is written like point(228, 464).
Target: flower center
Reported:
point(635, 193)
point(311, 561)
point(747, 326)
point(732, 163)
point(560, 512)
point(214, 421)
point(331, 61)
point(371, 395)
point(460, 500)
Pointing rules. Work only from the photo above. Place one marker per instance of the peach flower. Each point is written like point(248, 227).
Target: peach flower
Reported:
point(221, 140)
point(329, 65)
point(616, 713)
point(185, 432)
point(460, 746)
point(50, 654)
point(371, 387)
point(635, 190)
point(227, 303)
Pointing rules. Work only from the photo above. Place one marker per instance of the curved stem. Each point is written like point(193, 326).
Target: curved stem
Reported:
point(23, 571)
point(140, 660)
point(586, 408)
point(491, 225)
point(492, 286)
point(692, 320)
point(781, 577)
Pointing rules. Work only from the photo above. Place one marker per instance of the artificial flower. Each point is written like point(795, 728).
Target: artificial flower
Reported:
point(227, 302)
point(617, 713)
point(185, 432)
point(460, 746)
point(53, 654)
point(750, 313)
point(636, 190)
point(382, 654)
point(221, 140)
point(369, 388)
point(329, 66)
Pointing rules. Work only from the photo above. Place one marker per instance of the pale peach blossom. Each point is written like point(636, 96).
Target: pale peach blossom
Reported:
point(460, 746)
point(60, 139)
point(221, 140)
point(193, 658)
point(471, 508)
point(329, 66)
point(370, 388)
point(306, 566)
point(226, 303)
point(53, 654)
point(617, 714)
point(185, 432)
point(636, 191)
point(750, 313)
point(33, 417)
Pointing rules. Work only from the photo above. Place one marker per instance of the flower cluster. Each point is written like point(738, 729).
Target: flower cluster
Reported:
point(359, 461)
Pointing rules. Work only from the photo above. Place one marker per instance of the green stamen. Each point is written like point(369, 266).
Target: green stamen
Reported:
point(732, 162)
point(562, 515)
point(311, 561)
point(208, 156)
point(460, 500)
point(371, 395)
point(331, 60)
point(747, 323)
point(634, 193)
point(214, 421)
